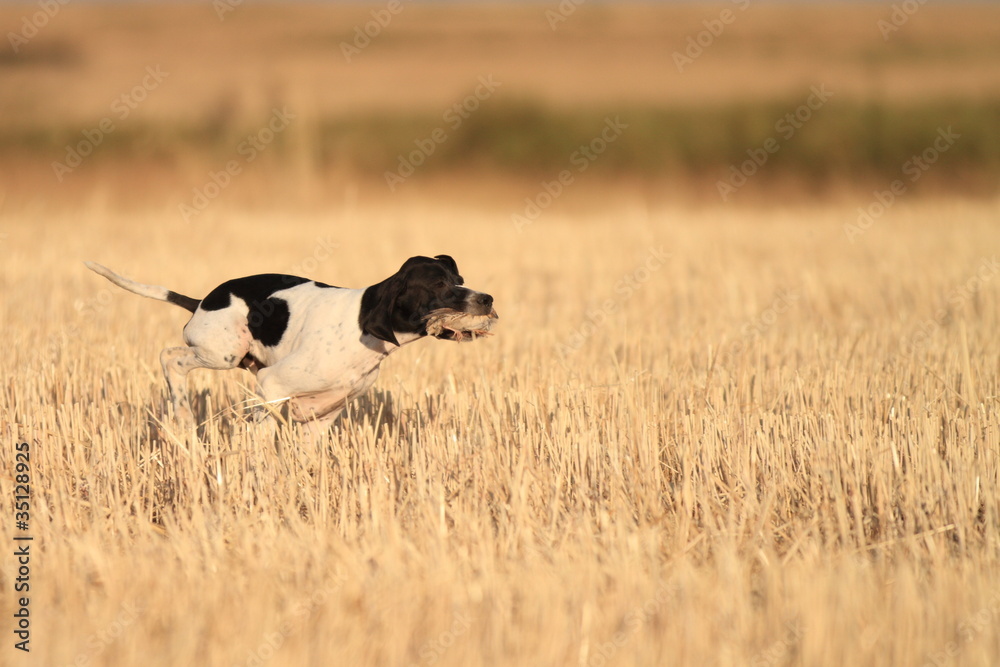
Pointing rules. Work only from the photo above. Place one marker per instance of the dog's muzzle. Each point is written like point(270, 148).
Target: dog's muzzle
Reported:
point(480, 303)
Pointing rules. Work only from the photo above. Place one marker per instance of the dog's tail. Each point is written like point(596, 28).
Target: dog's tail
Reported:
point(151, 291)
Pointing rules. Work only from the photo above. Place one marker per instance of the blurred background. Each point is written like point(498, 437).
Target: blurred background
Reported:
point(174, 106)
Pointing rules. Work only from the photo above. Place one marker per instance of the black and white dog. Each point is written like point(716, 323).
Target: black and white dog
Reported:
point(312, 344)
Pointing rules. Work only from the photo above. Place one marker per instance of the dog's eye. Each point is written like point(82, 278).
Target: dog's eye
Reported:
point(441, 284)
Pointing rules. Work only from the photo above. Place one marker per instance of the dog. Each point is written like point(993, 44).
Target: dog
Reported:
point(314, 345)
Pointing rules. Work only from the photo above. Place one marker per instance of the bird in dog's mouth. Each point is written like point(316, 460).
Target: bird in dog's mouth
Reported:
point(454, 325)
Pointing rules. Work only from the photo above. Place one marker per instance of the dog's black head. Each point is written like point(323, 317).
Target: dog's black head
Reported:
point(402, 302)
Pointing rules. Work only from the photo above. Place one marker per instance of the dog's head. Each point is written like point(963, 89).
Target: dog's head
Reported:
point(402, 302)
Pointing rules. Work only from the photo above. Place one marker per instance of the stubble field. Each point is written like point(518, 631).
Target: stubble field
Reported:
point(739, 439)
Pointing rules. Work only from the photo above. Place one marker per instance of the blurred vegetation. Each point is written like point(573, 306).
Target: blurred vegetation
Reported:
point(843, 140)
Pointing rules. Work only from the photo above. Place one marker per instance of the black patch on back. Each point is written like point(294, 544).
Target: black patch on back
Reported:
point(268, 316)
point(252, 288)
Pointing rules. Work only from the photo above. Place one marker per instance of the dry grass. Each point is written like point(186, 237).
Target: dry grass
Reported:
point(823, 492)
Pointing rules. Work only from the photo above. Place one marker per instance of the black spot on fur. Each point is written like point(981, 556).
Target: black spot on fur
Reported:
point(267, 320)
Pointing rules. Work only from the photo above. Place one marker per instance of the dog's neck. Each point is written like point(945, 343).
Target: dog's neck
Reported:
point(384, 347)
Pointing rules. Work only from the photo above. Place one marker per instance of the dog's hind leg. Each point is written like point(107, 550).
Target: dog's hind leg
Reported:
point(177, 362)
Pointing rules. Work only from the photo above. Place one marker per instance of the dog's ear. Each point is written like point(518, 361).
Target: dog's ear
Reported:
point(378, 305)
point(450, 264)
